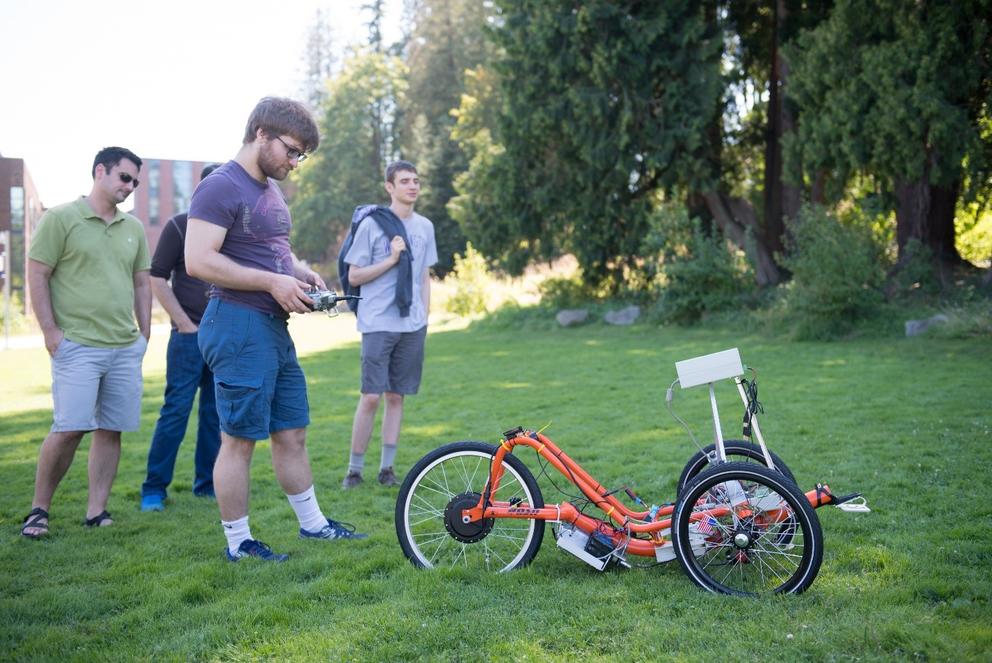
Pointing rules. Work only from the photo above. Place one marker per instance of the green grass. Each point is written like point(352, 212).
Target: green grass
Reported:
point(906, 421)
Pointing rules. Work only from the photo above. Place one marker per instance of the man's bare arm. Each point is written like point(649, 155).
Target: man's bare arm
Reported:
point(205, 262)
point(163, 293)
point(358, 275)
point(41, 303)
point(303, 272)
point(143, 302)
point(425, 288)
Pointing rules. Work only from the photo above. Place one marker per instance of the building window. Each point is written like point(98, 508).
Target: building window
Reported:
point(153, 188)
point(17, 207)
point(182, 184)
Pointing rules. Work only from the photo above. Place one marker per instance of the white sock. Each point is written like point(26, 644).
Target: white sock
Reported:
point(388, 456)
point(236, 532)
point(307, 510)
point(356, 463)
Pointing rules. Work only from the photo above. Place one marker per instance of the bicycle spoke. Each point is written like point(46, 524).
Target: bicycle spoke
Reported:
point(755, 544)
point(452, 480)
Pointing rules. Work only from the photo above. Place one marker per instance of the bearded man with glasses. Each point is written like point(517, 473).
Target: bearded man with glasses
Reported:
point(90, 290)
point(237, 238)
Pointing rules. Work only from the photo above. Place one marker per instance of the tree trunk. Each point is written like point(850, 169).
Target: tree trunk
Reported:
point(735, 217)
point(782, 200)
point(774, 226)
point(940, 222)
point(925, 212)
point(818, 194)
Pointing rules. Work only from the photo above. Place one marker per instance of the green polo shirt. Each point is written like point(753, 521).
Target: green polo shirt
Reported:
point(93, 265)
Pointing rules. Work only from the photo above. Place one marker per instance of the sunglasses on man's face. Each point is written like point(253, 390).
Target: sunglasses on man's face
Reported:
point(127, 179)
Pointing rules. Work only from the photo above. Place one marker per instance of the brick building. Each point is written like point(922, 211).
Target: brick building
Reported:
point(20, 211)
point(166, 188)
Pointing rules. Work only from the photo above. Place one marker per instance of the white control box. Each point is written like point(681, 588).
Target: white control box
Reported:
point(709, 368)
point(574, 541)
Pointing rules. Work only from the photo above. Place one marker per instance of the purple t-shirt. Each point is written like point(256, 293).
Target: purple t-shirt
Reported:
point(257, 222)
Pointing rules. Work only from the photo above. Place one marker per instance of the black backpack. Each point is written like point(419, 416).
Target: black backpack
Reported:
point(361, 213)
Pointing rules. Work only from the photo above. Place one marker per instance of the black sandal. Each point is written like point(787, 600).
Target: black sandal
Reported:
point(31, 520)
point(98, 519)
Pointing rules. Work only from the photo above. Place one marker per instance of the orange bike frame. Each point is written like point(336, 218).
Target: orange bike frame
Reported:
point(622, 521)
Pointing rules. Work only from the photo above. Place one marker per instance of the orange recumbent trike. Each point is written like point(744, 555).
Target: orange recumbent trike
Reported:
point(739, 523)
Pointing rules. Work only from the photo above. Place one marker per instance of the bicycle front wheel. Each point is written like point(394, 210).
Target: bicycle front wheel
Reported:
point(452, 478)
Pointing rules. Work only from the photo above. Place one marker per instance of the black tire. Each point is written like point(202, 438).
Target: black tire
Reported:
point(452, 476)
point(769, 541)
point(738, 451)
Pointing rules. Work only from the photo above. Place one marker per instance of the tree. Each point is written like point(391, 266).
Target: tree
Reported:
point(604, 105)
point(900, 90)
point(319, 60)
point(758, 31)
point(358, 139)
point(446, 40)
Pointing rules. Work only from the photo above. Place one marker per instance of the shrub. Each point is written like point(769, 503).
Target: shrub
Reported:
point(559, 292)
point(967, 320)
point(917, 271)
point(471, 278)
point(697, 273)
point(19, 323)
point(837, 273)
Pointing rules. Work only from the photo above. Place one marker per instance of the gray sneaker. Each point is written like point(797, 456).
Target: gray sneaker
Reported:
point(387, 477)
point(352, 480)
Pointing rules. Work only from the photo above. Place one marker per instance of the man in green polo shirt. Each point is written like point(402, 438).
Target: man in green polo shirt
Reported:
point(88, 278)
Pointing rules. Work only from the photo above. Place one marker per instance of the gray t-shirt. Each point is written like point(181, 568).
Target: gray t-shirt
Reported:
point(258, 224)
point(377, 311)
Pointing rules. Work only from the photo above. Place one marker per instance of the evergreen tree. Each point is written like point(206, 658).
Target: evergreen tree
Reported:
point(900, 90)
point(446, 40)
point(358, 139)
point(319, 60)
point(604, 105)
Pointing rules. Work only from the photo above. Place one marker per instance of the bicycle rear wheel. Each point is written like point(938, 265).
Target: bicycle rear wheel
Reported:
point(740, 528)
point(452, 478)
point(738, 451)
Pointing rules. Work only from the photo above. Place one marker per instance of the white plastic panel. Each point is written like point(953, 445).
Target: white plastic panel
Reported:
point(709, 368)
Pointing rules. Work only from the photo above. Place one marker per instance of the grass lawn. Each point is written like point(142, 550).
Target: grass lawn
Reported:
point(906, 421)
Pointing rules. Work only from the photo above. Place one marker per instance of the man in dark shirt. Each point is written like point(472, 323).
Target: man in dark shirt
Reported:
point(184, 300)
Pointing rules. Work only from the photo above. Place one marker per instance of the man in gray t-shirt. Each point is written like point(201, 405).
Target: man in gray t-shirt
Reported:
point(392, 343)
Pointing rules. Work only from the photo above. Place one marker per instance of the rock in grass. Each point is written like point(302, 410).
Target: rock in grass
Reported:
point(625, 316)
point(917, 327)
point(570, 317)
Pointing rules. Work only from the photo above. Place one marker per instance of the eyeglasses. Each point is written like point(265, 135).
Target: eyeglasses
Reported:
point(127, 178)
point(292, 152)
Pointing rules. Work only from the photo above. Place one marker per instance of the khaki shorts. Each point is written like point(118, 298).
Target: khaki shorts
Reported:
point(97, 387)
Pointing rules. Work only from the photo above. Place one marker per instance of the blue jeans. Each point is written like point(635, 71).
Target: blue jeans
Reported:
point(185, 372)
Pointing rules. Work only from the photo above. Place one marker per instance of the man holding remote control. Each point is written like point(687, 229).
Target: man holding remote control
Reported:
point(238, 239)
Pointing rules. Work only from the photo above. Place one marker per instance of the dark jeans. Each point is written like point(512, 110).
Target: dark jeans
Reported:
point(185, 372)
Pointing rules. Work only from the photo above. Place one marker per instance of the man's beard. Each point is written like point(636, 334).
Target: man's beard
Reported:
point(271, 165)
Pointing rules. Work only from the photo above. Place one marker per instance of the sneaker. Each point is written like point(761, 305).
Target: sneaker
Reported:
point(207, 493)
point(352, 480)
point(387, 477)
point(152, 503)
point(333, 530)
point(253, 548)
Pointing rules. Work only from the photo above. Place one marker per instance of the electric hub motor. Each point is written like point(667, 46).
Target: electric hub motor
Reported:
point(462, 531)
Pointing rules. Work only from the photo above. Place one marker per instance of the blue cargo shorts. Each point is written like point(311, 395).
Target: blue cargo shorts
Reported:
point(259, 384)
